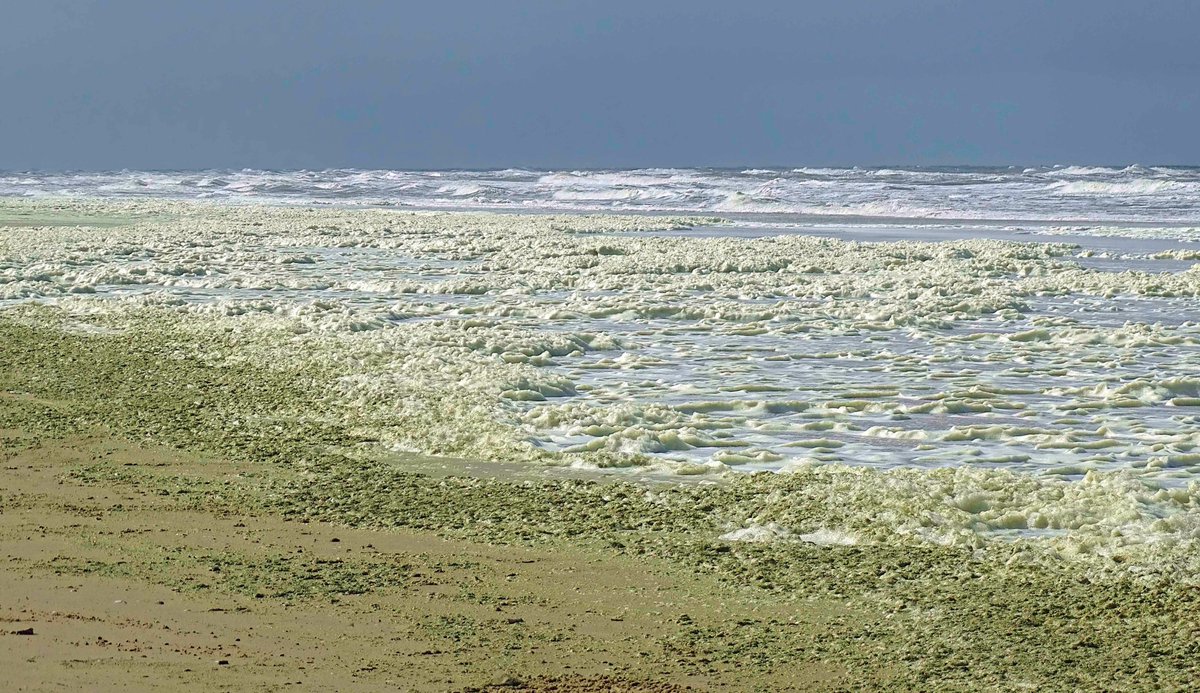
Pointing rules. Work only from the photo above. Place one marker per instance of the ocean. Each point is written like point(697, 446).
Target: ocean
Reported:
point(1018, 344)
point(1054, 194)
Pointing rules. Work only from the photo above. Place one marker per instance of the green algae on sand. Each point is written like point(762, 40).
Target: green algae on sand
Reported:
point(928, 616)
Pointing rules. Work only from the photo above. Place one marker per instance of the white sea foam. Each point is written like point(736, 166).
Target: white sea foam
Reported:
point(1139, 186)
point(955, 392)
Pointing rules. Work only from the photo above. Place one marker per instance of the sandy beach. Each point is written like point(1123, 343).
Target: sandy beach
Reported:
point(118, 585)
point(597, 346)
point(212, 478)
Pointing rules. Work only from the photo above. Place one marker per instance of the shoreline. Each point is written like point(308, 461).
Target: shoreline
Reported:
point(918, 618)
point(150, 418)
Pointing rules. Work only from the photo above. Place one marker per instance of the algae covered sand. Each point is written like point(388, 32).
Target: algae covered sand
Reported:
point(297, 411)
point(158, 585)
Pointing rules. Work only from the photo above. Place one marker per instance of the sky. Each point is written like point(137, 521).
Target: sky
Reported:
point(581, 83)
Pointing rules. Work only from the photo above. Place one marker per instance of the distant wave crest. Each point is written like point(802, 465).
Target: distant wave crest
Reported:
point(1038, 193)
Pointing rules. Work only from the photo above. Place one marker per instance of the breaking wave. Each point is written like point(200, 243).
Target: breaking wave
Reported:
point(1039, 193)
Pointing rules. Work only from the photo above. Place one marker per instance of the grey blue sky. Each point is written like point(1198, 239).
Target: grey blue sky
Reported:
point(561, 83)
